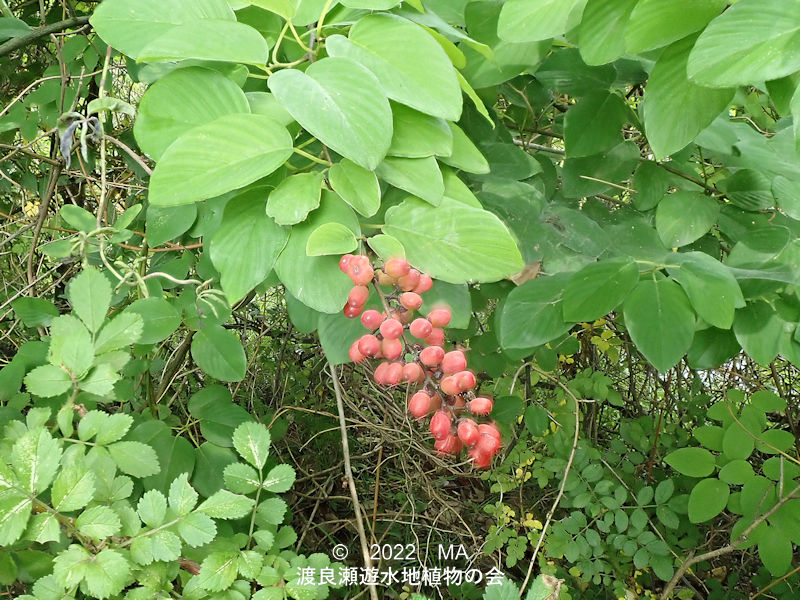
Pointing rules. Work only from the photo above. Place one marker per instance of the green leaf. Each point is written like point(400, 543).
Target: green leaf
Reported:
point(758, 329)
point(660, 321)
point(11, 27)
point(114, 427)
point(34, 312)
point(787, 195)
point(294, 198)
point(708, 498)
point(34, 458)
point(241, 478)
point(749, 189)
point(736, 472)
point(684, 217)
point(219, 353)
point(417, 135)
point(98, 522)
point(675, 108)
point(182, 496)
point(454, 242)
point(280, 479)
point(225, 505)
point(129, 29)
point(711, 287)
point(218, 415)
point(78, 217)
point(654, 23)
point(741, 45)
point(357, 186)
point(159, 317)
point(712, 347)
point(134, 458)
point(343, 107)
point(527, 21)
point(602, 30)
point(181, 101)
point(165, 223)
point(594, 124)
point(386, 247)
point(70, 345)
point(15, 510)
point(48, 381)
point(694, 462)
point(196, 529)
point(532, 314)
point(465, 155)
point(223, 155)
point(152, 508)
point(218, 571)
point(100, 380)
point(418, 176)
point(107, 574)
point(543, 588)
point(212, 40)
point(69, 567)
point(598, 288)
point(121, 331)
point(73, 488)
point(272, 511)
point(111, 105)
point(331, 239)
point(246, 245)
point(737, 443)
point(405, 59)
point(252, 441)
point(775, 550)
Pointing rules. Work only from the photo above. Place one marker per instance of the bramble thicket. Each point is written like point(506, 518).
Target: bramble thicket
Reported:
point(499, 296)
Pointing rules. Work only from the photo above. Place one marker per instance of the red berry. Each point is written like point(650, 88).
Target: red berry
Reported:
point(448, 445)
point(404, 316)
point(344, 262)
point(380, 373)
point(489, 429)
point(436, 337)
point(355, 354)
point(371, 319)
point(436, 401)
point(391, 348)
point(465, 380)
point(413, 373)
point(431, 356)
point(420, 328)
point(439, 317)
point(369, 345)
point(359, 270)
point(396, 267)
point(449, 385)
point(458, 403)
point(391, 329)
point(468, 432)
point(488, 444)
point(480, 459)
point(419, 405)
point(411, 300)
point(358, 296)
point(425, 284)
point(440, 425)
point(351, 312)
point(481, 406)
point(410, 281)
point(453, 362)
point(393, 374)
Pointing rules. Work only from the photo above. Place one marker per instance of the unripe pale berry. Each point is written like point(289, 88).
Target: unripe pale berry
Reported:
point(394, 373)
point(411, 300)
point(468, 432)
point(431, 356)
point(396, 267)
point(413, 373)
point(384, 279)
point(344, 261)
point(481, 406)
point(435, 338)
point(440, 425)
point(420, 328)
point(354, 353)
point(391, 348)
point(449, 385)
point(425, 284)
point(453, 362)
point(404, 316)
point(419, 405)
point(371, 319)
point(409, 281)
point(391, 329)
point(480, 459)
point(489, 429)
point(351, 312)
point(439, 317)
point(369, 345)
point(465, 380)
point(358, 296)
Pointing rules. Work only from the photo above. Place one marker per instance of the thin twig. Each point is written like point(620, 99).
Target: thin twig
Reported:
point(24, 40)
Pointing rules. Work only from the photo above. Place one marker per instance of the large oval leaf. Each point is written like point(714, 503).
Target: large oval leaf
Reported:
point(417, 135)
point(219, 353)
point(708, 498)
point(655, 23)
point(532, 314)
point(694, 462)
point(181, 101)
point(294, 198)
point(454, 242)
point(224, 155)
point(357, 186)
point(418, 176)
point(406, 60)
point(338, 101)
point(683, 217)
point(212, 40)
point(530, 21)
point(598, 288)
point(602, 30)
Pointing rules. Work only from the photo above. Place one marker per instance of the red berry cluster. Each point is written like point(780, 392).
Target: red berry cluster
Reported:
point(447, 387)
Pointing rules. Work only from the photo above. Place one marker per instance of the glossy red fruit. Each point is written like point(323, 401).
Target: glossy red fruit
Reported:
point(371, 319)
point(358, 296)
point(394, 373)
point(411, 300)
point(480, 459)
point(489, 429)
point(391, 348)
point(449, 386)
point(419, 405)
point(436, 337)
point(425, 284)
point(466, 380)
point(454, 362)
point(440, 317)
point(359, 270)
point(413, 373)
point(481, 406)
point(440, 425)
point(351, 312)
point(488, 444)
point(354, 353)
point(431, 356)
point(391, 329)
point(344, 262)
point(410, 281)
point(468, 432)
point(397, 267)
point(420, 328)
point(448, 445)
point(369, 345)
point(380, 373)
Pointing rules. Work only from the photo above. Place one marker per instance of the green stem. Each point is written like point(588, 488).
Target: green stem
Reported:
point(6, 10)
point(255, 508)
point(311, 157)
